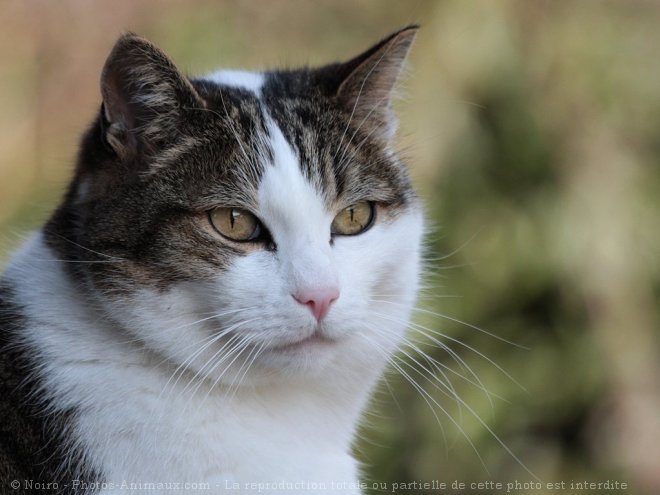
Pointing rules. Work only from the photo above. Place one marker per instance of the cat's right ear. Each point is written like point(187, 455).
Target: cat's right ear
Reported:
point(364, 86)
point(144, 95)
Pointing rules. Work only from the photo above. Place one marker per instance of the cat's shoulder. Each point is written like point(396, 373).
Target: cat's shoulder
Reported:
point(33, 442)
point(18, 433)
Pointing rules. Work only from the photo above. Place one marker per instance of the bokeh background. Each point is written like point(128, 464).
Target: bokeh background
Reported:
point(533, 133)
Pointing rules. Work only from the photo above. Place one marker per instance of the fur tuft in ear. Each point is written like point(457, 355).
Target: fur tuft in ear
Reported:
point(367, 89)
point(143, 96)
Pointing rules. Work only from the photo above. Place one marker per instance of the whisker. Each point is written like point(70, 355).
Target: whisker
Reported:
point(459, 361)
point(448, 383)
point(477, 383)
point(493, 434)
point(456, 320)
point(417, 326)
point(214, 315)
point(469, 347)
point(466, 367)
point(474, 414)
point(85, 248)
point(415, 385)
point(249, 362)
point(459, 248)
point(236, 350)
point(202, 371)
point(240, 347)
point(212, 339)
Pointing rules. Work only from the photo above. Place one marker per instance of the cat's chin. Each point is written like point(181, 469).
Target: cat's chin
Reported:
point(310, 355)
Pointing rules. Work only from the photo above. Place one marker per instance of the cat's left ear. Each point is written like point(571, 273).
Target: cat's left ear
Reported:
point(367, 82)
point(144, 96)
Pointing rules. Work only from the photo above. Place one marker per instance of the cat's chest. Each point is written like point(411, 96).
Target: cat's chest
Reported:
point(214, 441)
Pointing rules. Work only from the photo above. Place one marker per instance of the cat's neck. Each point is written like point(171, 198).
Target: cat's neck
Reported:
point(119, 388)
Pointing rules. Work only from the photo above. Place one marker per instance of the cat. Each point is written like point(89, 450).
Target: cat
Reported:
point(218, 293)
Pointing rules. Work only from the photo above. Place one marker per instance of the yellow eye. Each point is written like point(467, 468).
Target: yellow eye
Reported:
point(235, 224)
point(353, 220)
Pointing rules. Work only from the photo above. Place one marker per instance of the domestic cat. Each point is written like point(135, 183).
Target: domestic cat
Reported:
point(217, 295)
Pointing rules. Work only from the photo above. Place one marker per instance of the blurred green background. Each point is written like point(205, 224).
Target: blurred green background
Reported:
point(533, 133)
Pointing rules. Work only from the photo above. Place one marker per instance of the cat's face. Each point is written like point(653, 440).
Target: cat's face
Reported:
point(242, 220)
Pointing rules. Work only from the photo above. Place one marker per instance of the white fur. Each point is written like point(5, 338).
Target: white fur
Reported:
point(293, 415)
point(252, 81)
point(300, 222)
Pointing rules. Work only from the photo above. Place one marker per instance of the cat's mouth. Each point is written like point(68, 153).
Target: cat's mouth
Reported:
point(315, 340)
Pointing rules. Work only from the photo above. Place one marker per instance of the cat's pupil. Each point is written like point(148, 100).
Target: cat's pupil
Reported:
point(236, 224)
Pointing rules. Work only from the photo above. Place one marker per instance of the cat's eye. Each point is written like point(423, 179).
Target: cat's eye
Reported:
point(353, 220)
point(235, 224)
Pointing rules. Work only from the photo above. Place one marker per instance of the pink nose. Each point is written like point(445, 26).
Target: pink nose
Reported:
point(318, 300)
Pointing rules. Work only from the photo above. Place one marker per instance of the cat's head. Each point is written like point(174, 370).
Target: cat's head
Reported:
point(240, 219)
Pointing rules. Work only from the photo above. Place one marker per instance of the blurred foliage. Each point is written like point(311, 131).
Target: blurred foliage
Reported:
point(532, 131)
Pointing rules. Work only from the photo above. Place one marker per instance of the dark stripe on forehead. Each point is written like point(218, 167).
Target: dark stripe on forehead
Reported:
point(342, 155)
point(301, 124)
point(232, 145)
point(236, 110)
